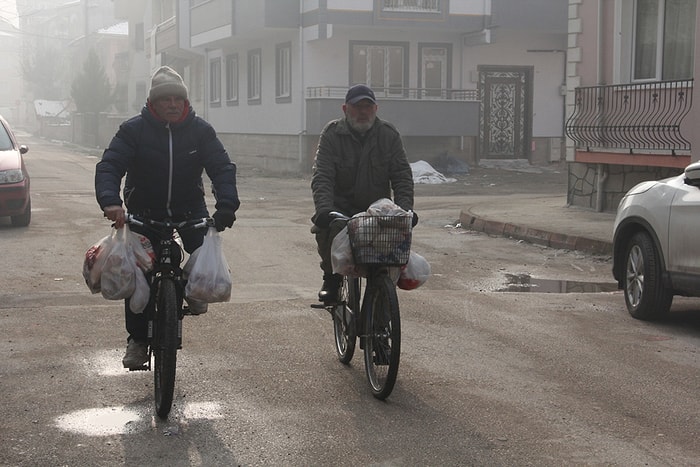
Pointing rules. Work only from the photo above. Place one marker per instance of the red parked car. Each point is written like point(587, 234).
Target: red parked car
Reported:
point(14, 178)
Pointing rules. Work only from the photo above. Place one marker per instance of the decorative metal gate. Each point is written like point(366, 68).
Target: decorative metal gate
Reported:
point(505, 117)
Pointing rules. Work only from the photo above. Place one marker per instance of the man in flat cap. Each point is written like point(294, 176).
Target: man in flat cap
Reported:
point(360, 159)
point(162, 152)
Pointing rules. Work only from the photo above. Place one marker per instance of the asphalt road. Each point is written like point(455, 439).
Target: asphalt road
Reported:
point(487, 377)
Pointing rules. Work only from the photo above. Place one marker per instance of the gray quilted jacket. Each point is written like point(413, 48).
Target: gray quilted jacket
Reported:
point(351, 172)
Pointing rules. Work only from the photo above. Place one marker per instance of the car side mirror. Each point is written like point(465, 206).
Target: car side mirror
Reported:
point(23, 149)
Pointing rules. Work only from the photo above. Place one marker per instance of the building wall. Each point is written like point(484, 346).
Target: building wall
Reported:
point(598, 55)
point(547, 53)
point(11, 89)
point(325, 63)
point(690, 130)
point(584, 190)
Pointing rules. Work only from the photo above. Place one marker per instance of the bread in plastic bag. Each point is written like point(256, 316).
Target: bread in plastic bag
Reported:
point(414, 273)
point(207, 271)
point(118, 271)
point(94, 261)
point(95, 256)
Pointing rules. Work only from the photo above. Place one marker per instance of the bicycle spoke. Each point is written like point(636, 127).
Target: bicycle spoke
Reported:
point(382, 343)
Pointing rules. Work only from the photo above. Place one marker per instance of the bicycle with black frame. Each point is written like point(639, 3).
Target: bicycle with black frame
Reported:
point(368, 307)
point(167, 291)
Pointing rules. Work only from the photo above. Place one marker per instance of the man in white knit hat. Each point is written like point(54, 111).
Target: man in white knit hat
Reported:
point(162, 152)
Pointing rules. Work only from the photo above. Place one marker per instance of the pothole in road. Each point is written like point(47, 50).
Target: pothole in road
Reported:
point(527, 283)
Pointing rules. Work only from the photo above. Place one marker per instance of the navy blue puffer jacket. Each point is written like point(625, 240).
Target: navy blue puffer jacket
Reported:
point(163, 164)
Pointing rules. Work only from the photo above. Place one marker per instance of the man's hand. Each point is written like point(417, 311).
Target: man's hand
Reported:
point(223, 219)
point(414, 222)
point(323, 219)
point(116, 214)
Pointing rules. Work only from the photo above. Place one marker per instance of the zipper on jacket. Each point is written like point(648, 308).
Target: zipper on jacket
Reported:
point(170, 170)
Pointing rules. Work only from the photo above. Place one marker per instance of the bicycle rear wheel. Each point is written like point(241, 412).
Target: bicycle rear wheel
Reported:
point(165, 345)
point(344, 316)
point(383, 337)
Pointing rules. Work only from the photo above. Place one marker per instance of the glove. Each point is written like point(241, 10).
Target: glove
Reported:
point(323, 219)
point(223, 219)
point(414, 222)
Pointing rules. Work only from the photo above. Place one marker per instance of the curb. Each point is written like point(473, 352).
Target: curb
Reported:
point(534, 235)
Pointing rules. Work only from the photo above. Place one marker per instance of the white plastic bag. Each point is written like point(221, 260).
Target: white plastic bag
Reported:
point(119, 269)
point(414, 273)
point(96, 255)
point(94, 262)
point(141, 295)
point(208, 274)
point(341, 255)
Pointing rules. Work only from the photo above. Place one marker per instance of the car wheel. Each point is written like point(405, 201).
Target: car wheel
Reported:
point(23, 219)
point(645, 294)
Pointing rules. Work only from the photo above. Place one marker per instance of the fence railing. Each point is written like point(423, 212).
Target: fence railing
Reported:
point(412, 5)
point(338, 92)
point(643, 116)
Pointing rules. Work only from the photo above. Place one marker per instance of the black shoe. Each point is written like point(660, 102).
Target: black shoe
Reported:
point(329, 289)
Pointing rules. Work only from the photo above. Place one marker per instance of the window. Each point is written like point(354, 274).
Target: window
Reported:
point(283, 80)
point(232, 78)
point(215, 81)
point(254, 76)
point(664, 36)
point(435, 71)
point(381, 66)
point(411, 5)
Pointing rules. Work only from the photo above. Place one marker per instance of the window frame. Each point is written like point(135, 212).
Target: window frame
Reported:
point(387, 46)
point(661, 55)
point(447, 78)
point(232, 79)
point(254, 76)
point(215, 82)
point(283, 73)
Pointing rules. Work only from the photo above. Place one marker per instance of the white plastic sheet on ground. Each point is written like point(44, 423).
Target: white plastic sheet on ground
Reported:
point(426, 174)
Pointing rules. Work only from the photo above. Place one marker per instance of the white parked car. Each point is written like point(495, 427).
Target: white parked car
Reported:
point(656, 243)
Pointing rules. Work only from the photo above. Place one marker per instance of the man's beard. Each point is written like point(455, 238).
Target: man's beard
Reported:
point(360, 127)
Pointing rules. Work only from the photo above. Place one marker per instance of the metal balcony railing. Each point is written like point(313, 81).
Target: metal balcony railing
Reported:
point(432, 6)
point(645, 116)
point(338, 92)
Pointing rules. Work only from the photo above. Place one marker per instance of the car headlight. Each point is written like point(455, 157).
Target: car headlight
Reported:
point(11, 176)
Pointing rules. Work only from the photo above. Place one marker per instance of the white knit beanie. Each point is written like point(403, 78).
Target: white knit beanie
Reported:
point(166, 82)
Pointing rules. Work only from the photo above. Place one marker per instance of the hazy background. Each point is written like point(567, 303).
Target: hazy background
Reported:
point(8, 11)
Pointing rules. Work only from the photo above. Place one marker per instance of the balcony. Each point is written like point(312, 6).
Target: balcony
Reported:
point(414, 111)
point(637, 118)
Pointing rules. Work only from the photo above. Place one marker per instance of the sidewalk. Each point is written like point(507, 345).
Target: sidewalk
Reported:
point(542, 219)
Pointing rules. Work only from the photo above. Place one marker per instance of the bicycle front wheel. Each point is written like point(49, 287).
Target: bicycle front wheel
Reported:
point(345, 313)
point(383, 337)
point(165, 344)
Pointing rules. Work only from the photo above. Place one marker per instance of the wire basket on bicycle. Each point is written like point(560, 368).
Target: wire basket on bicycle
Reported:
point(378, 239)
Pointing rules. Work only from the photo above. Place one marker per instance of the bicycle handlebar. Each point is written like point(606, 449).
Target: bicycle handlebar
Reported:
point(191, 223)
point(338, 216)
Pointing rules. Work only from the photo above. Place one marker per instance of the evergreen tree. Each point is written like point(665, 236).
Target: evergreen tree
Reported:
point(91, 90)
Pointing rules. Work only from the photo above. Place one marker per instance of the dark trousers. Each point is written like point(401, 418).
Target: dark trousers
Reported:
point(137, 323)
